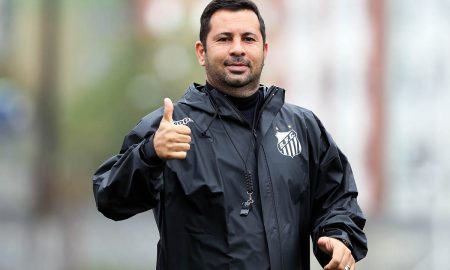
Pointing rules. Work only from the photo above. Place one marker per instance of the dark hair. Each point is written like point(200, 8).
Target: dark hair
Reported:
point(233, 5)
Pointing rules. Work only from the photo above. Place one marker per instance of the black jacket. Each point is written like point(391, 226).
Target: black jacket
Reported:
point(304, 186)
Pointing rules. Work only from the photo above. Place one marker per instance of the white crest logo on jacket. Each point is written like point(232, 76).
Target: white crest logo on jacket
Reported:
point(288, 143)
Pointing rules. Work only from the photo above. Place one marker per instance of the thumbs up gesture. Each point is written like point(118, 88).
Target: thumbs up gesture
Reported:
point(171, 141)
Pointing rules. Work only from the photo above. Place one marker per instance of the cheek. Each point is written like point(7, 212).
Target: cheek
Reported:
point(217, 53)
point(257, 56)
point(257, 61)
point(213, 61)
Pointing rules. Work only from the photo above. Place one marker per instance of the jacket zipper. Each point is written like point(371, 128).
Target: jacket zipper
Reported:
point(256, 121)
point(255, 124)
point(255, 136)
point(274, 209)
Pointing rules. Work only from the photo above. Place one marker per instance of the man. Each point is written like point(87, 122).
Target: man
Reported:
point(237, 178)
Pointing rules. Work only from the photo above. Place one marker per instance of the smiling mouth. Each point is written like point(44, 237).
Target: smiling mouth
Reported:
point(236, 67)
point(235, 64)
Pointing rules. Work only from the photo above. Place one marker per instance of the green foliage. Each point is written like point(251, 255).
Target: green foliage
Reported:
point(96, 121)
point(100, 111)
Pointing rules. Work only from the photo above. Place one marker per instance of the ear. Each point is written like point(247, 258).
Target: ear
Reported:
point(200, 52)
point(266, 50)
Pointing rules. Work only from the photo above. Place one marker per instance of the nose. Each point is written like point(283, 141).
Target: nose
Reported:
point(236, 48)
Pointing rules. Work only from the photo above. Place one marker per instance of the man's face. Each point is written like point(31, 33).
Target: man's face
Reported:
point(235, 51)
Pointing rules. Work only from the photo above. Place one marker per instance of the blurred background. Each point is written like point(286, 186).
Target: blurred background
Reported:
point(76, 76)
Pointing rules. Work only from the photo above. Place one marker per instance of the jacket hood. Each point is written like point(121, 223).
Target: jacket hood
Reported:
point(196, 97)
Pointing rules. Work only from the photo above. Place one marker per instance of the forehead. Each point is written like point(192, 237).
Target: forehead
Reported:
point(228, 21)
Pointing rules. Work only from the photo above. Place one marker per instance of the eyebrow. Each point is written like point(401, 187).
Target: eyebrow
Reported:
point(224, 34)
point(249, 34)
point(228, 34)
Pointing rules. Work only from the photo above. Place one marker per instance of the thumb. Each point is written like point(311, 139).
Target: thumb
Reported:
point(168, 110)
point(325, 245)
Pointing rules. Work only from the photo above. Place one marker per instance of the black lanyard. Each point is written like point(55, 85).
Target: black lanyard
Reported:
point(248, 179)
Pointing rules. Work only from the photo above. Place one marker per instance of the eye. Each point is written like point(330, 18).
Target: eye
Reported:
point(249, 39)
point(222, 39)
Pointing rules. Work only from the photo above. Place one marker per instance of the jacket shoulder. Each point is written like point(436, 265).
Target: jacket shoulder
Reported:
point(310, 121)
point(144, 128)
point(307, 115)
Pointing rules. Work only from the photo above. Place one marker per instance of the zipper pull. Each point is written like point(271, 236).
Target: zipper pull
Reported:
point(245, 210)
point(254, 134)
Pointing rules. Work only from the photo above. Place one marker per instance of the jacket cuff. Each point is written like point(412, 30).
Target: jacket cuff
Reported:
point(148, 153)
point(340, 235)
point(321, 256)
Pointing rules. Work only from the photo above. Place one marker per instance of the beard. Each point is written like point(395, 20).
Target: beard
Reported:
point(221, 78)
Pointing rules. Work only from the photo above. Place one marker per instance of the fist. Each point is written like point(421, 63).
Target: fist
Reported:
point(341, 256)
point(171, 141)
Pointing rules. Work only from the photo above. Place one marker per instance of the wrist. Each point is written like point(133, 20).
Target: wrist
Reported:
point(345, 242)
point(148, 152)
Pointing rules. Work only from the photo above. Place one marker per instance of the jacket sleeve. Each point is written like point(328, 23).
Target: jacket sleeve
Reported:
point(129, 182)
point(335, 210)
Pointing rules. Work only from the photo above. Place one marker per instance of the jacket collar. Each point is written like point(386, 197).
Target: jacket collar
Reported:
point(197, 97)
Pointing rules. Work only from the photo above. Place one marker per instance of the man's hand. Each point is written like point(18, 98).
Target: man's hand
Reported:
point(171, 141)
point(341, 255)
